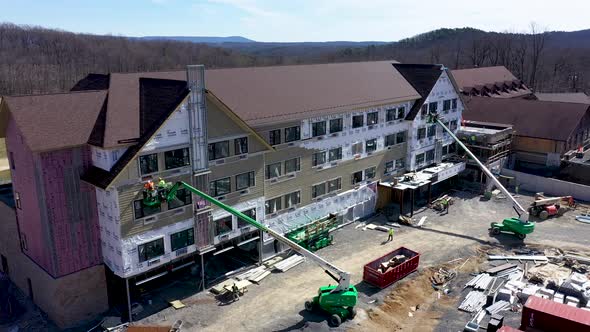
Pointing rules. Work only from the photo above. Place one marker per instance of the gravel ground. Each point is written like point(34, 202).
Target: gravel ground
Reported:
point(277, 303)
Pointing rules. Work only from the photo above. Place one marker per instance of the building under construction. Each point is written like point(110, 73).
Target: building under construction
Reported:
point(298, 148)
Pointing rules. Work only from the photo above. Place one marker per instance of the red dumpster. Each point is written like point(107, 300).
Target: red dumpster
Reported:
point(539, 314)
point(374, 276)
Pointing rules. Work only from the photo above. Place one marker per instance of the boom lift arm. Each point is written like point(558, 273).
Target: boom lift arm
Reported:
point(340, 276)
point(522, 212)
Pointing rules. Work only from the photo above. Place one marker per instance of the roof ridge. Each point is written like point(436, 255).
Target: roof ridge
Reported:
point(532, 100)
point(392, 61)
point(55, 93)
point(329, 108)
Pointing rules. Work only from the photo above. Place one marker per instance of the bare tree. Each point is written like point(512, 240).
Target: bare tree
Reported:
point(435, 53)
point(457, 53)
point(479, 51)
point(537, 45)
point(520, 55)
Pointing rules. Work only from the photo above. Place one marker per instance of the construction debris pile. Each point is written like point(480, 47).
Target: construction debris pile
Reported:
point(391, 263)
point(507, 286)
point(441, 277)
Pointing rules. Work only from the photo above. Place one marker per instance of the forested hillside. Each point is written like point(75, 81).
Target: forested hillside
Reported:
point(546, 61)
point(34, 60)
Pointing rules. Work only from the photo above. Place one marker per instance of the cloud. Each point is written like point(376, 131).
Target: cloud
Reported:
point(252, 7)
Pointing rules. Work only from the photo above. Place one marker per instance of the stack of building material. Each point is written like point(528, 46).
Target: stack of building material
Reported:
point(254, 275)
point(504, 295)
point(220, 288)
point(534, 258)
point(242, 286)
point(527, 291)
point(497, 307)
point(482, 281)
point(289, 263)
point(473, 302)
point(510, 273)
point(545, 293)
point(501, 269)
point(271, 262)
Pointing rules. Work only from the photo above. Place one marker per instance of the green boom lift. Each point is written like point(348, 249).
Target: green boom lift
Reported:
point(337, 300)
point(520, 226)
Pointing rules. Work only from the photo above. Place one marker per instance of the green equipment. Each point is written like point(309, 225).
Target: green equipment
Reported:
point(337, 300)
point(520, 226)
point(314, 235)
point(514, 226)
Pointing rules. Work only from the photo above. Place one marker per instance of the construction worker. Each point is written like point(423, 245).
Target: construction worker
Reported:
point(235, 292)
point(149, 186)
point(161, 188)
point(445, 203)
point(390, 235)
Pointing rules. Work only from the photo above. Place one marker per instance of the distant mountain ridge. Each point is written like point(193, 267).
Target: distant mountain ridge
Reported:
point(202, 39)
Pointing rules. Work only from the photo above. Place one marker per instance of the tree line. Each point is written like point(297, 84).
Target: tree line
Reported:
point(39, 60)
point(545, 61)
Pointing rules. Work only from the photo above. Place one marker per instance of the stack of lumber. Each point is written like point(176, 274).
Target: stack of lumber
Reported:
point(271, 262)
point(289, 263)
point(394, 261)
point(497, 307)
point(254, 275)
point(481, 281)
point(242, 286)
point(474, 302)
point(220, 288)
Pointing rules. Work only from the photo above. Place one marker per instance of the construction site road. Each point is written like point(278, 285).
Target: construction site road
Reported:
point(277, 304)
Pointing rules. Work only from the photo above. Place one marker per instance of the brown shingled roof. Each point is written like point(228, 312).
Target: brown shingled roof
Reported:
point(265, 95)
point(55, 121)
point(494, 78)
point(566, 97)
point(158, 99)
point(532, 118)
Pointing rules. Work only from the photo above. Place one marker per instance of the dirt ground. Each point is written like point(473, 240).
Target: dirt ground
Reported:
point(277, 303)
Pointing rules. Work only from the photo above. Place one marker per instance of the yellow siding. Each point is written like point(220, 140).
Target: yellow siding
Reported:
point(309, 176)
point(130, 226)
point(253, 163)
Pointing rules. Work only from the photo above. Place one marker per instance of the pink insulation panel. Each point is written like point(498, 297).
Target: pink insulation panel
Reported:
point(71, 209)
point(35, 242)
point(58, 215)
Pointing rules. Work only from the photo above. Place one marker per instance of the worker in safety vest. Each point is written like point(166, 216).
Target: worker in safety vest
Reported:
point(149, 186)
point(390, 235)
point(445, 204)
point(162, 188)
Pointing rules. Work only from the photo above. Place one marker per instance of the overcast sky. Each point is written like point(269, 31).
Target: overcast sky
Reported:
point(294, 20)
